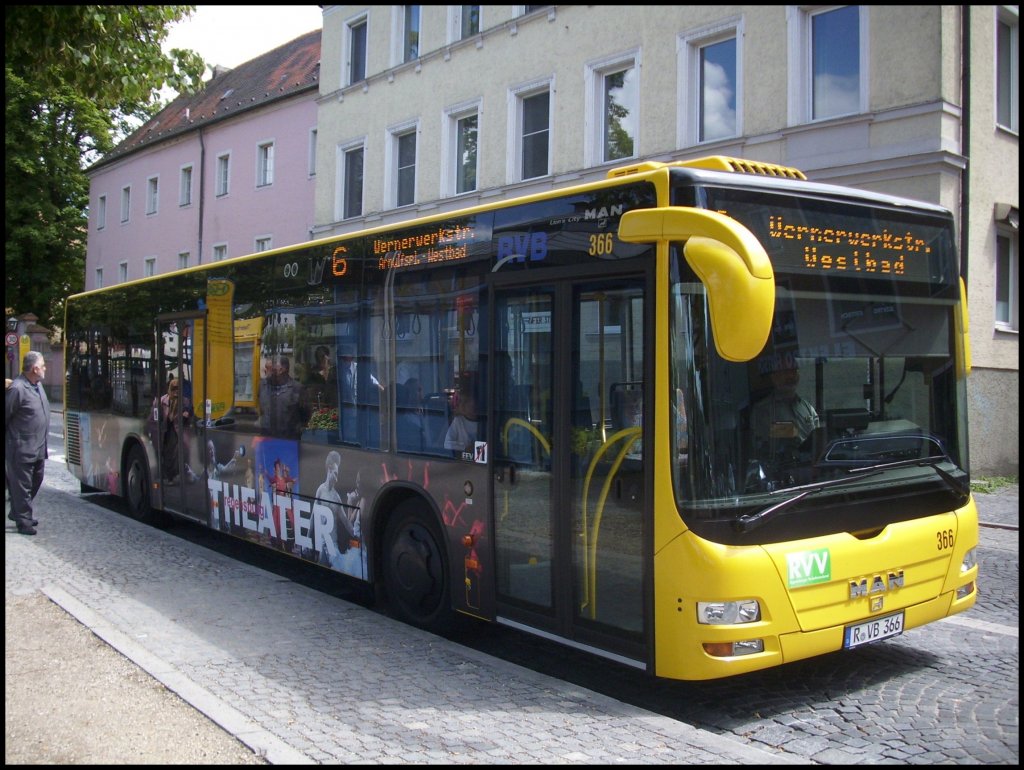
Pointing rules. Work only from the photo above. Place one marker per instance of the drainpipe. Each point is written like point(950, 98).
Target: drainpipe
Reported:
point(965, 138)
point(202, 191)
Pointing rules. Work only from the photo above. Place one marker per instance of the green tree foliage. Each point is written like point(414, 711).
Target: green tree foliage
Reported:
point(76, 79)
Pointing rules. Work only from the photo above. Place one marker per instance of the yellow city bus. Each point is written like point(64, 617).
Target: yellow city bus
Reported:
point(701, 417)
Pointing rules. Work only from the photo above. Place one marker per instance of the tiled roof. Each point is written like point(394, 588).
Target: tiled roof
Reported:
point(285, 71)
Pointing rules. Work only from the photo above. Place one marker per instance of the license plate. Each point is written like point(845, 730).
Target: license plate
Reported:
point(873, 630)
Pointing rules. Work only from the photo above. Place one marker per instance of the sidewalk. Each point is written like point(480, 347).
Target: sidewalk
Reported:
point(303, 677)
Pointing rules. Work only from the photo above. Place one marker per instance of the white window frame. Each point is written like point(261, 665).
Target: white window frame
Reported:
point(455, 23)
point(219, 252)
point(311, 167)
point(347, 53)
point(262, 243)
point(391, 170)
point(152, 195)
point(450, 146)
point(98, 278)
point(222, 175)
point(516, 96)
point(688, 115)
point(341, 161)
point(801, 85)
point(149, 267)
point(1011, 236)
point(122, 271)
point(399, 35)
point(183, 259)
point(185, 175)
point(594, 75)
point(265, 163)
point(1009, 16)
point(101, 212)
point(126, 204)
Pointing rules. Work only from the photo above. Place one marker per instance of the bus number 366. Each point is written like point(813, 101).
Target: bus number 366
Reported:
point(944, 539)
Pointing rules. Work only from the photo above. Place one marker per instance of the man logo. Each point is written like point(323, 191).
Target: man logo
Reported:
point(876, 584)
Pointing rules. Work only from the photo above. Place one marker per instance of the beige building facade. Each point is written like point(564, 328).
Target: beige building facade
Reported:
point(425, 109)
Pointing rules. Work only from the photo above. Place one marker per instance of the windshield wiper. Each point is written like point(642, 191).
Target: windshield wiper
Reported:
point(932, 462)
point(752, 520)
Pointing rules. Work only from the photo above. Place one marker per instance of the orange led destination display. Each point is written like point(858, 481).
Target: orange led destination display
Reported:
point(815, 236)
point(854, 250)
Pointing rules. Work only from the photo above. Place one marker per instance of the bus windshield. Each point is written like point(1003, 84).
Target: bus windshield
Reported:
point(854, 401)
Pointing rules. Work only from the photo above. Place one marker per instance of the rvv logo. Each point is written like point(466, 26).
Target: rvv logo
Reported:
point(809, 567)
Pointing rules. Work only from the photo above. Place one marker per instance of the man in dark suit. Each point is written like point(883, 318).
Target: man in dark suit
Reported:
point(27, 422)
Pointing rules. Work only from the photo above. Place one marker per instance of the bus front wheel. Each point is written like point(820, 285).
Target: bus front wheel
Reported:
point(137, 488)
point(416, 569)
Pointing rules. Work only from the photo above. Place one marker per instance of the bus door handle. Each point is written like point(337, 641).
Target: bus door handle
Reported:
point(507, 475)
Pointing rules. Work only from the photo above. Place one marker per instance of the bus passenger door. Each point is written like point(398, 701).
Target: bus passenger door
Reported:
point(569, 470)
point(179, 439)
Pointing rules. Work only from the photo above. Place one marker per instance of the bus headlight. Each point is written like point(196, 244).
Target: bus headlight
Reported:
point(970, 561)
point(728, 613)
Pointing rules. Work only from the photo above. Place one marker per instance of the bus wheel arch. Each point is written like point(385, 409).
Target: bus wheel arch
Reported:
point(413, 567)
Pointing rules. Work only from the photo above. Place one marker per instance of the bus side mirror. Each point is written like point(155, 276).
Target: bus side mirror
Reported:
point(730, 262)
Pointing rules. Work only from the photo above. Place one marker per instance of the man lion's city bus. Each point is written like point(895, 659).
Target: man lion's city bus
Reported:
point(699, 417)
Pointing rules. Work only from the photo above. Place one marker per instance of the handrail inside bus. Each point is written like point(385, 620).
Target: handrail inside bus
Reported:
point(628, 436)
point(513, 422)
point(730, 262)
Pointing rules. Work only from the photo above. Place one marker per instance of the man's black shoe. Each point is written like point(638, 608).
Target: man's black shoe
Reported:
point(12, 517)
point(26, 530)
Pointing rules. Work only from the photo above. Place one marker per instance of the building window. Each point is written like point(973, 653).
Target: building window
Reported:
point(122, 272)
point(357, 50)
point(183, 257)
point(99, 278)
point(185, 187)
point(710, 75)
point(352, 174)
point(463, 22)
point(265, 164)
point(220, 251)
point(264, 243)
point(835, 63)
point(410, 32)
point(312, 153)
point(405, 167)
point(716, 91)
point(152, 194)
point(463, 151)
point(101, 212)
point(534, 122)
point(1007, 279)
point(149, 267)
point(828, 55)
point(223, 170)
point(612, 100)
point(1007, 70)
point(126, 203)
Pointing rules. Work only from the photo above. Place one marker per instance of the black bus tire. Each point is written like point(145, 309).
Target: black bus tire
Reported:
point(137, 490)
point(416, 577)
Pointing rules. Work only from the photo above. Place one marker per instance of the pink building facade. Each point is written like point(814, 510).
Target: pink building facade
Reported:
point(227, 172)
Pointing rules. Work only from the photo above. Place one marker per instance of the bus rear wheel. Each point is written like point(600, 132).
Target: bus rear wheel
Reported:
point(416, 569)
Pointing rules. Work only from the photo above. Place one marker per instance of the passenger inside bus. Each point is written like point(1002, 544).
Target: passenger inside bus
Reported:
point(320, 385)
point(462, 433)
point(409, 400)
